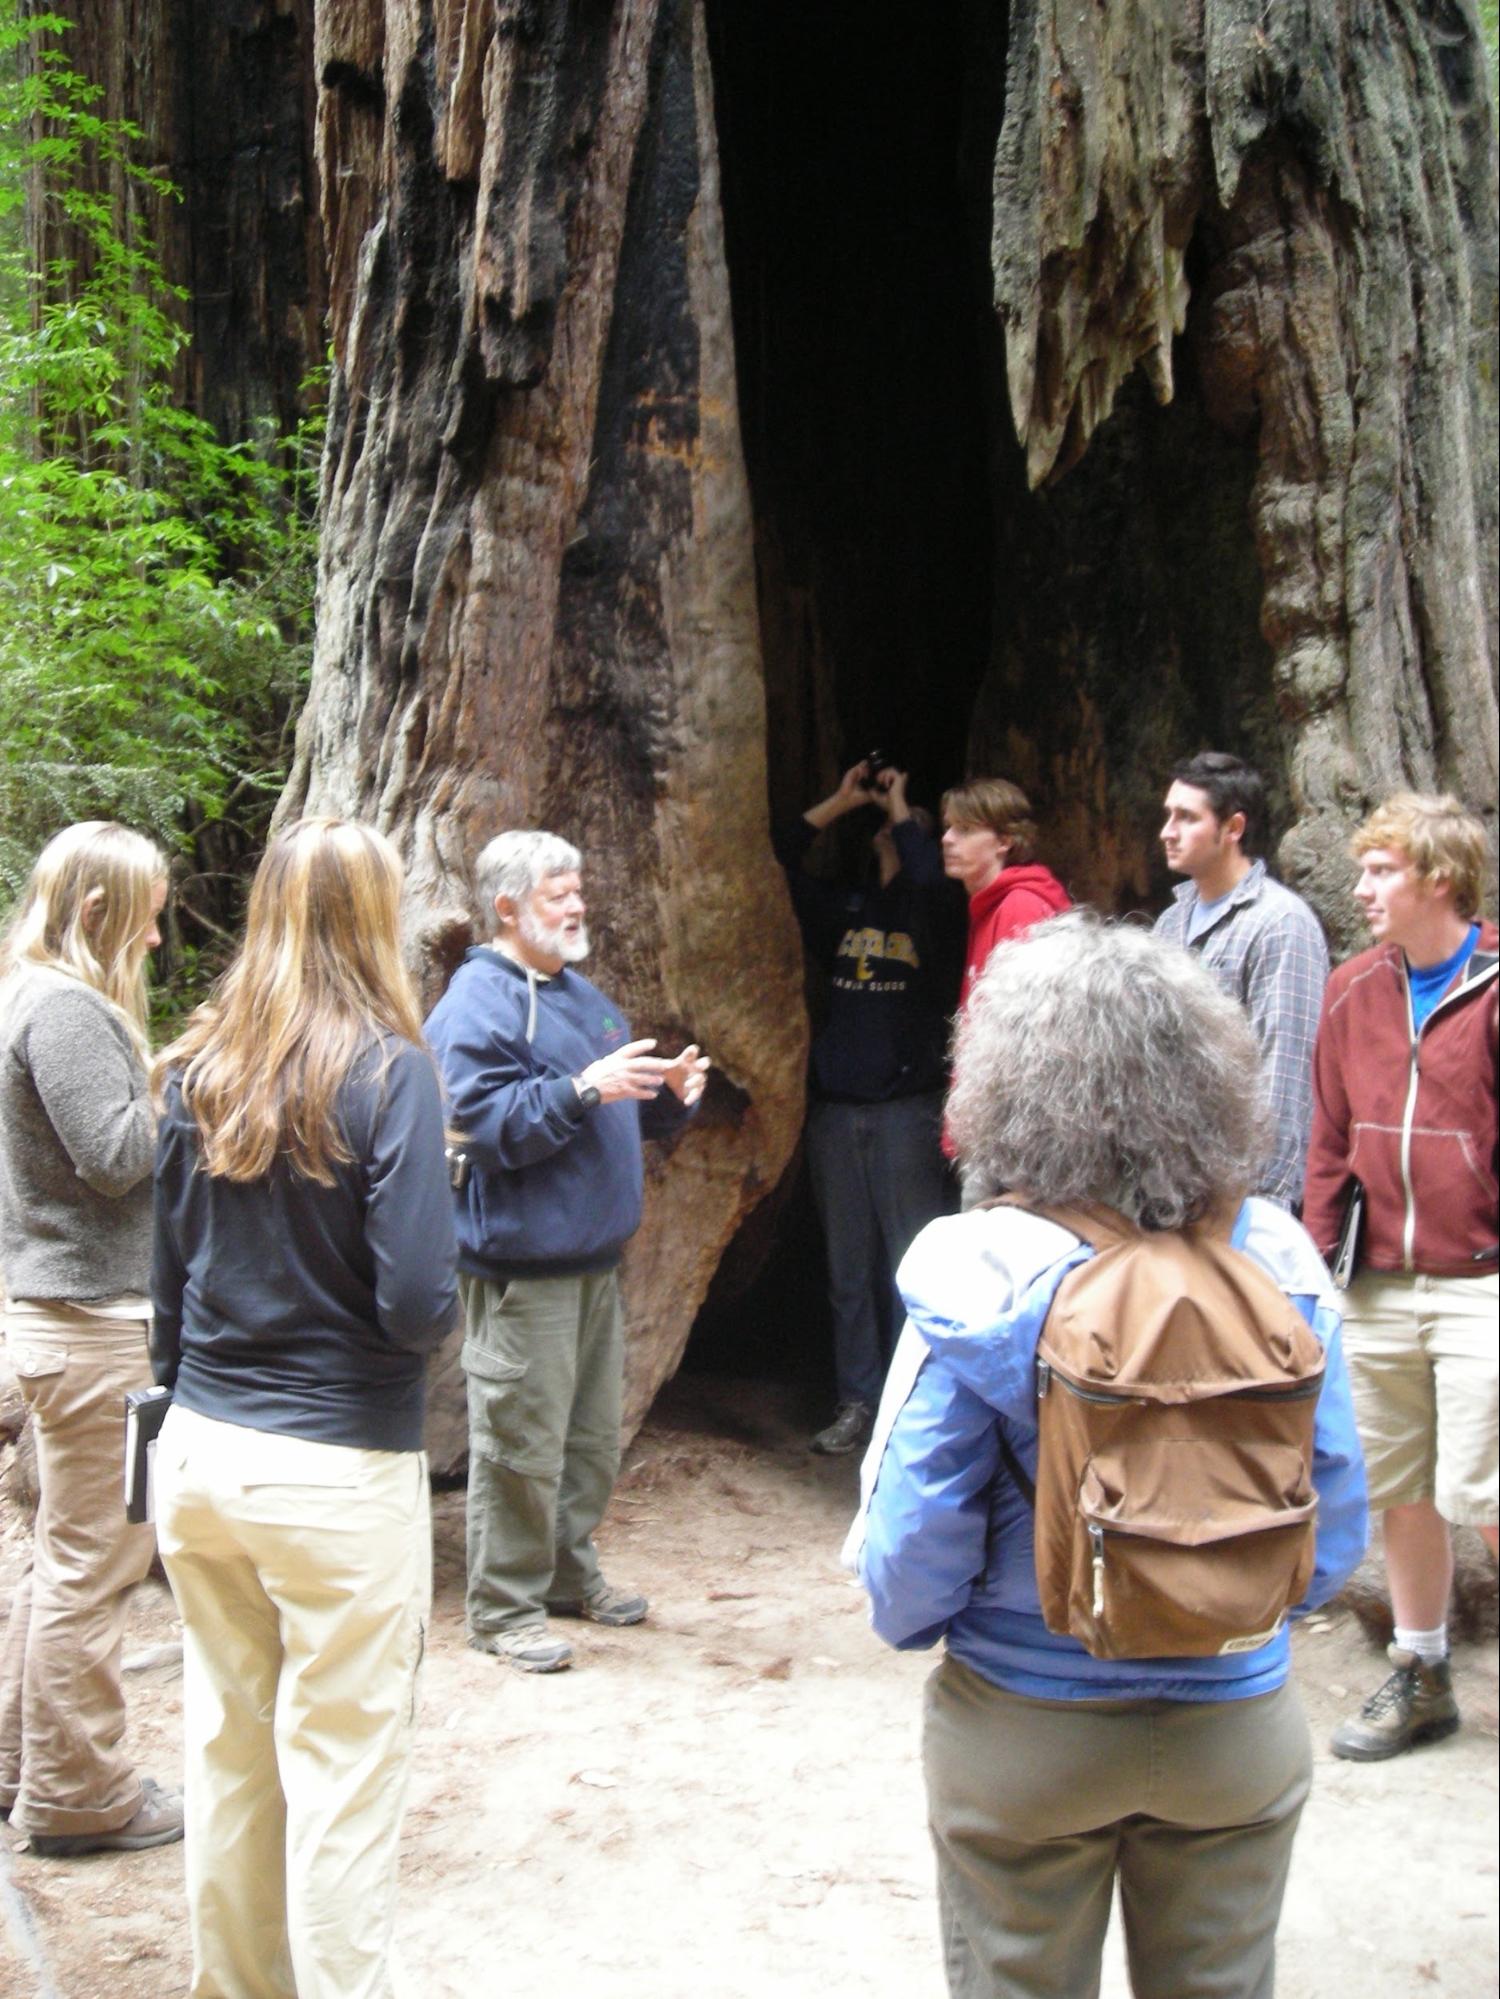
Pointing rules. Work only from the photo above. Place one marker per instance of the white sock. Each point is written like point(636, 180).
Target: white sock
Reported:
point(1429, 1646)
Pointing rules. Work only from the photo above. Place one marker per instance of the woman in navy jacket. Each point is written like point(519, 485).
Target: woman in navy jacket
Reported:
point(304, 1269)
point(1095, 1064)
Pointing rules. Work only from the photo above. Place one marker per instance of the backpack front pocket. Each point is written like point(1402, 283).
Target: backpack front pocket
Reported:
point(1178, 1557)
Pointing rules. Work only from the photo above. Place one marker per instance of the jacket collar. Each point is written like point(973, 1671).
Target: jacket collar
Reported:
point(1480, 969)
point(1245, 890)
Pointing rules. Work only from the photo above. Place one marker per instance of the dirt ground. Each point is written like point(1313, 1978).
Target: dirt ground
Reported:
point(726, 1802)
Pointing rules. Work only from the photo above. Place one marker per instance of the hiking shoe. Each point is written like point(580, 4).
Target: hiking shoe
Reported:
point(605, 1606)
point(1415, 1705)
point(849, 1430)
point(157, 1822)
point(530, 1648)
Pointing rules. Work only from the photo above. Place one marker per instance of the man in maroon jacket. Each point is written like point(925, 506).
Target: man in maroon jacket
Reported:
point(1405, 1108)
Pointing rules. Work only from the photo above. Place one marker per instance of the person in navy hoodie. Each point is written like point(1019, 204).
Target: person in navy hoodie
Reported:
point(552, 1096)
point(878, 1063)
point(1095, 1064)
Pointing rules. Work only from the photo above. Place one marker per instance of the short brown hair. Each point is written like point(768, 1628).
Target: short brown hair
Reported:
point(997, 803)
point(1442, 841)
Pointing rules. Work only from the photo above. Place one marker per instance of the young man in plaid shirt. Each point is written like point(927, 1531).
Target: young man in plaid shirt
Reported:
point(1261, 942)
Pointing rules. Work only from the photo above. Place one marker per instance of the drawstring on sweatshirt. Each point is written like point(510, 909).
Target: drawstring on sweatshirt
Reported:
point(531, 1005)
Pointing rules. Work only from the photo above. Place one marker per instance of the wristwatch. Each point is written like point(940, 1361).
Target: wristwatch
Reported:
point(589, 1095)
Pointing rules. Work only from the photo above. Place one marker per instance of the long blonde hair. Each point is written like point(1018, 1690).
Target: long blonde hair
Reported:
point(87, 912)
point(319, 974)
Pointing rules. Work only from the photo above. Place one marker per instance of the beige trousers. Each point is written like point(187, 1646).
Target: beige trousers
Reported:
point(1036, 1807)
point(303, 1572)
point(62, 1707)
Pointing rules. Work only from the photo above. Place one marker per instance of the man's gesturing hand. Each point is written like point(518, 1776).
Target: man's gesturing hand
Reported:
point(687, 1075)
point(631, 1071)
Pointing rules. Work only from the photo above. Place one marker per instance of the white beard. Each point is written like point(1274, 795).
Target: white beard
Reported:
point(553, 942)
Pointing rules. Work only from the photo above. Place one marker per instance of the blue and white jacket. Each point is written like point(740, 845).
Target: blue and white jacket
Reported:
point(553, 1190)
point(944, 1540)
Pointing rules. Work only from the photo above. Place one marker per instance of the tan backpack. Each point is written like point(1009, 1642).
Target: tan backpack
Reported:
point(1176, 1391)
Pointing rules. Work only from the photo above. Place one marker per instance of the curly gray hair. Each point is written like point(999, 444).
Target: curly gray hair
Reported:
point(1097, 1063)
point(515, 863)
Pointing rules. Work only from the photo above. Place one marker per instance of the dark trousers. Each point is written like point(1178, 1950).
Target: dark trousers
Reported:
point(878, 1177)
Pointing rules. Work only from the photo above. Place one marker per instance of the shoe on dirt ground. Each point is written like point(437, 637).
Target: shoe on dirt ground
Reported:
point(849, 1430)
point(157, 1821)
point(1414, 1705)
point(530, 1648)
point(605, 1605)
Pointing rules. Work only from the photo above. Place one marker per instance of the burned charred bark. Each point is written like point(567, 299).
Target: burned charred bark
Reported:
point(1285, 217)
point(537, 599)
point(1166, 417)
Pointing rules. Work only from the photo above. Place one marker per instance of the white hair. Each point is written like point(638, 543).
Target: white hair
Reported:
point(514, 864)
point(1098, 1063)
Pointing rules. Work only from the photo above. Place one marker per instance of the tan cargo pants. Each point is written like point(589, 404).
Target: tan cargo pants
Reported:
point(62, 1706)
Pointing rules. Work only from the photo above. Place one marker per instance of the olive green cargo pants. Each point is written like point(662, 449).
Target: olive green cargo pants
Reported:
point(543, 1358)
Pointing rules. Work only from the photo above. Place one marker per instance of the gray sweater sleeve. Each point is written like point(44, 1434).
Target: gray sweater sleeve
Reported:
point(92, 1086)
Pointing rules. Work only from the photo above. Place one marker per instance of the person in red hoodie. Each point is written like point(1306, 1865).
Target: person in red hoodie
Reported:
point(989, 837)
point(1405, 1123)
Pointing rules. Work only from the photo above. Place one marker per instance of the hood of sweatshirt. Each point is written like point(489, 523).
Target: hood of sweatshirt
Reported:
point(977, 1288)
point(1031, 875)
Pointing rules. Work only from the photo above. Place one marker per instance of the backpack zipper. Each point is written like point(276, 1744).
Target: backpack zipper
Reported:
point(1303, 1391)
point(1096, 1543)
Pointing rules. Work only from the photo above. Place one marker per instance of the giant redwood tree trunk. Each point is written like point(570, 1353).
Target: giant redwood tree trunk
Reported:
point(537, 599)
point(1115, 380)
point(1286, 216)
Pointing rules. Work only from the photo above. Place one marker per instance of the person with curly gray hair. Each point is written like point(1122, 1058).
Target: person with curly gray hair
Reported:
point(1095, 1065)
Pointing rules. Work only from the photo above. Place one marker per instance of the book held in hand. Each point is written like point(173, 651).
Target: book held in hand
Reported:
point(1351, 1232)
point(145, 1410)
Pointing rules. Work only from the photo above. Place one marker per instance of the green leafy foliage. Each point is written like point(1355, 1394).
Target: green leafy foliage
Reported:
point(156, 584)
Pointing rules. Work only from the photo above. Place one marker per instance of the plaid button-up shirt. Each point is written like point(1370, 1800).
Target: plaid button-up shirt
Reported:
point(1267, 949)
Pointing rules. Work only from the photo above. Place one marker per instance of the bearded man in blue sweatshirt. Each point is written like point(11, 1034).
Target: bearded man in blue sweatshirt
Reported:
point(552, 1097)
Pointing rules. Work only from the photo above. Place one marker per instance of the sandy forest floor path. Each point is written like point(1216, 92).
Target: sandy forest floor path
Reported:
point(726, 1803)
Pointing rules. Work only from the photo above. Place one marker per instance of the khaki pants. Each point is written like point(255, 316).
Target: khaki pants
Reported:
point(1422, 1365)
point(1037, 1806)
point(543, 1357)
point(62, 1707)
point(303, 1573)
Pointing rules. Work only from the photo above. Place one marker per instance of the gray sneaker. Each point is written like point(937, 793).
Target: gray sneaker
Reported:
point(1414, 1705)
point(849, 1431)
point(157, 1821)
point(530, 1648)
point(605, 1606)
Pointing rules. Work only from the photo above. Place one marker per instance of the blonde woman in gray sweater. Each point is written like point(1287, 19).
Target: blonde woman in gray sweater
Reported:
point(77, 1140)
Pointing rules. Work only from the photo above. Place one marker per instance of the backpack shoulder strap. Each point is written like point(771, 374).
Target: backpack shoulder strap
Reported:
point(1016, 1469)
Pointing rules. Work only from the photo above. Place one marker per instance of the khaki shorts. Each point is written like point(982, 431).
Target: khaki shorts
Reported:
point(1422, 1355)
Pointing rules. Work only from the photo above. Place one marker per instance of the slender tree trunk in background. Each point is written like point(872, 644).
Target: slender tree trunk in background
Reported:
point(537, 599)
point(224, 95)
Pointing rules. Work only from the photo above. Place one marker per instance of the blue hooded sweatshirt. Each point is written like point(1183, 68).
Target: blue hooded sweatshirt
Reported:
point(553, 1190)
point(944, 1540)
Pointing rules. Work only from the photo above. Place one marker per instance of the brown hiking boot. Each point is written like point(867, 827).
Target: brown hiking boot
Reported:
point(157, 1822)
point(1415, 1705)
